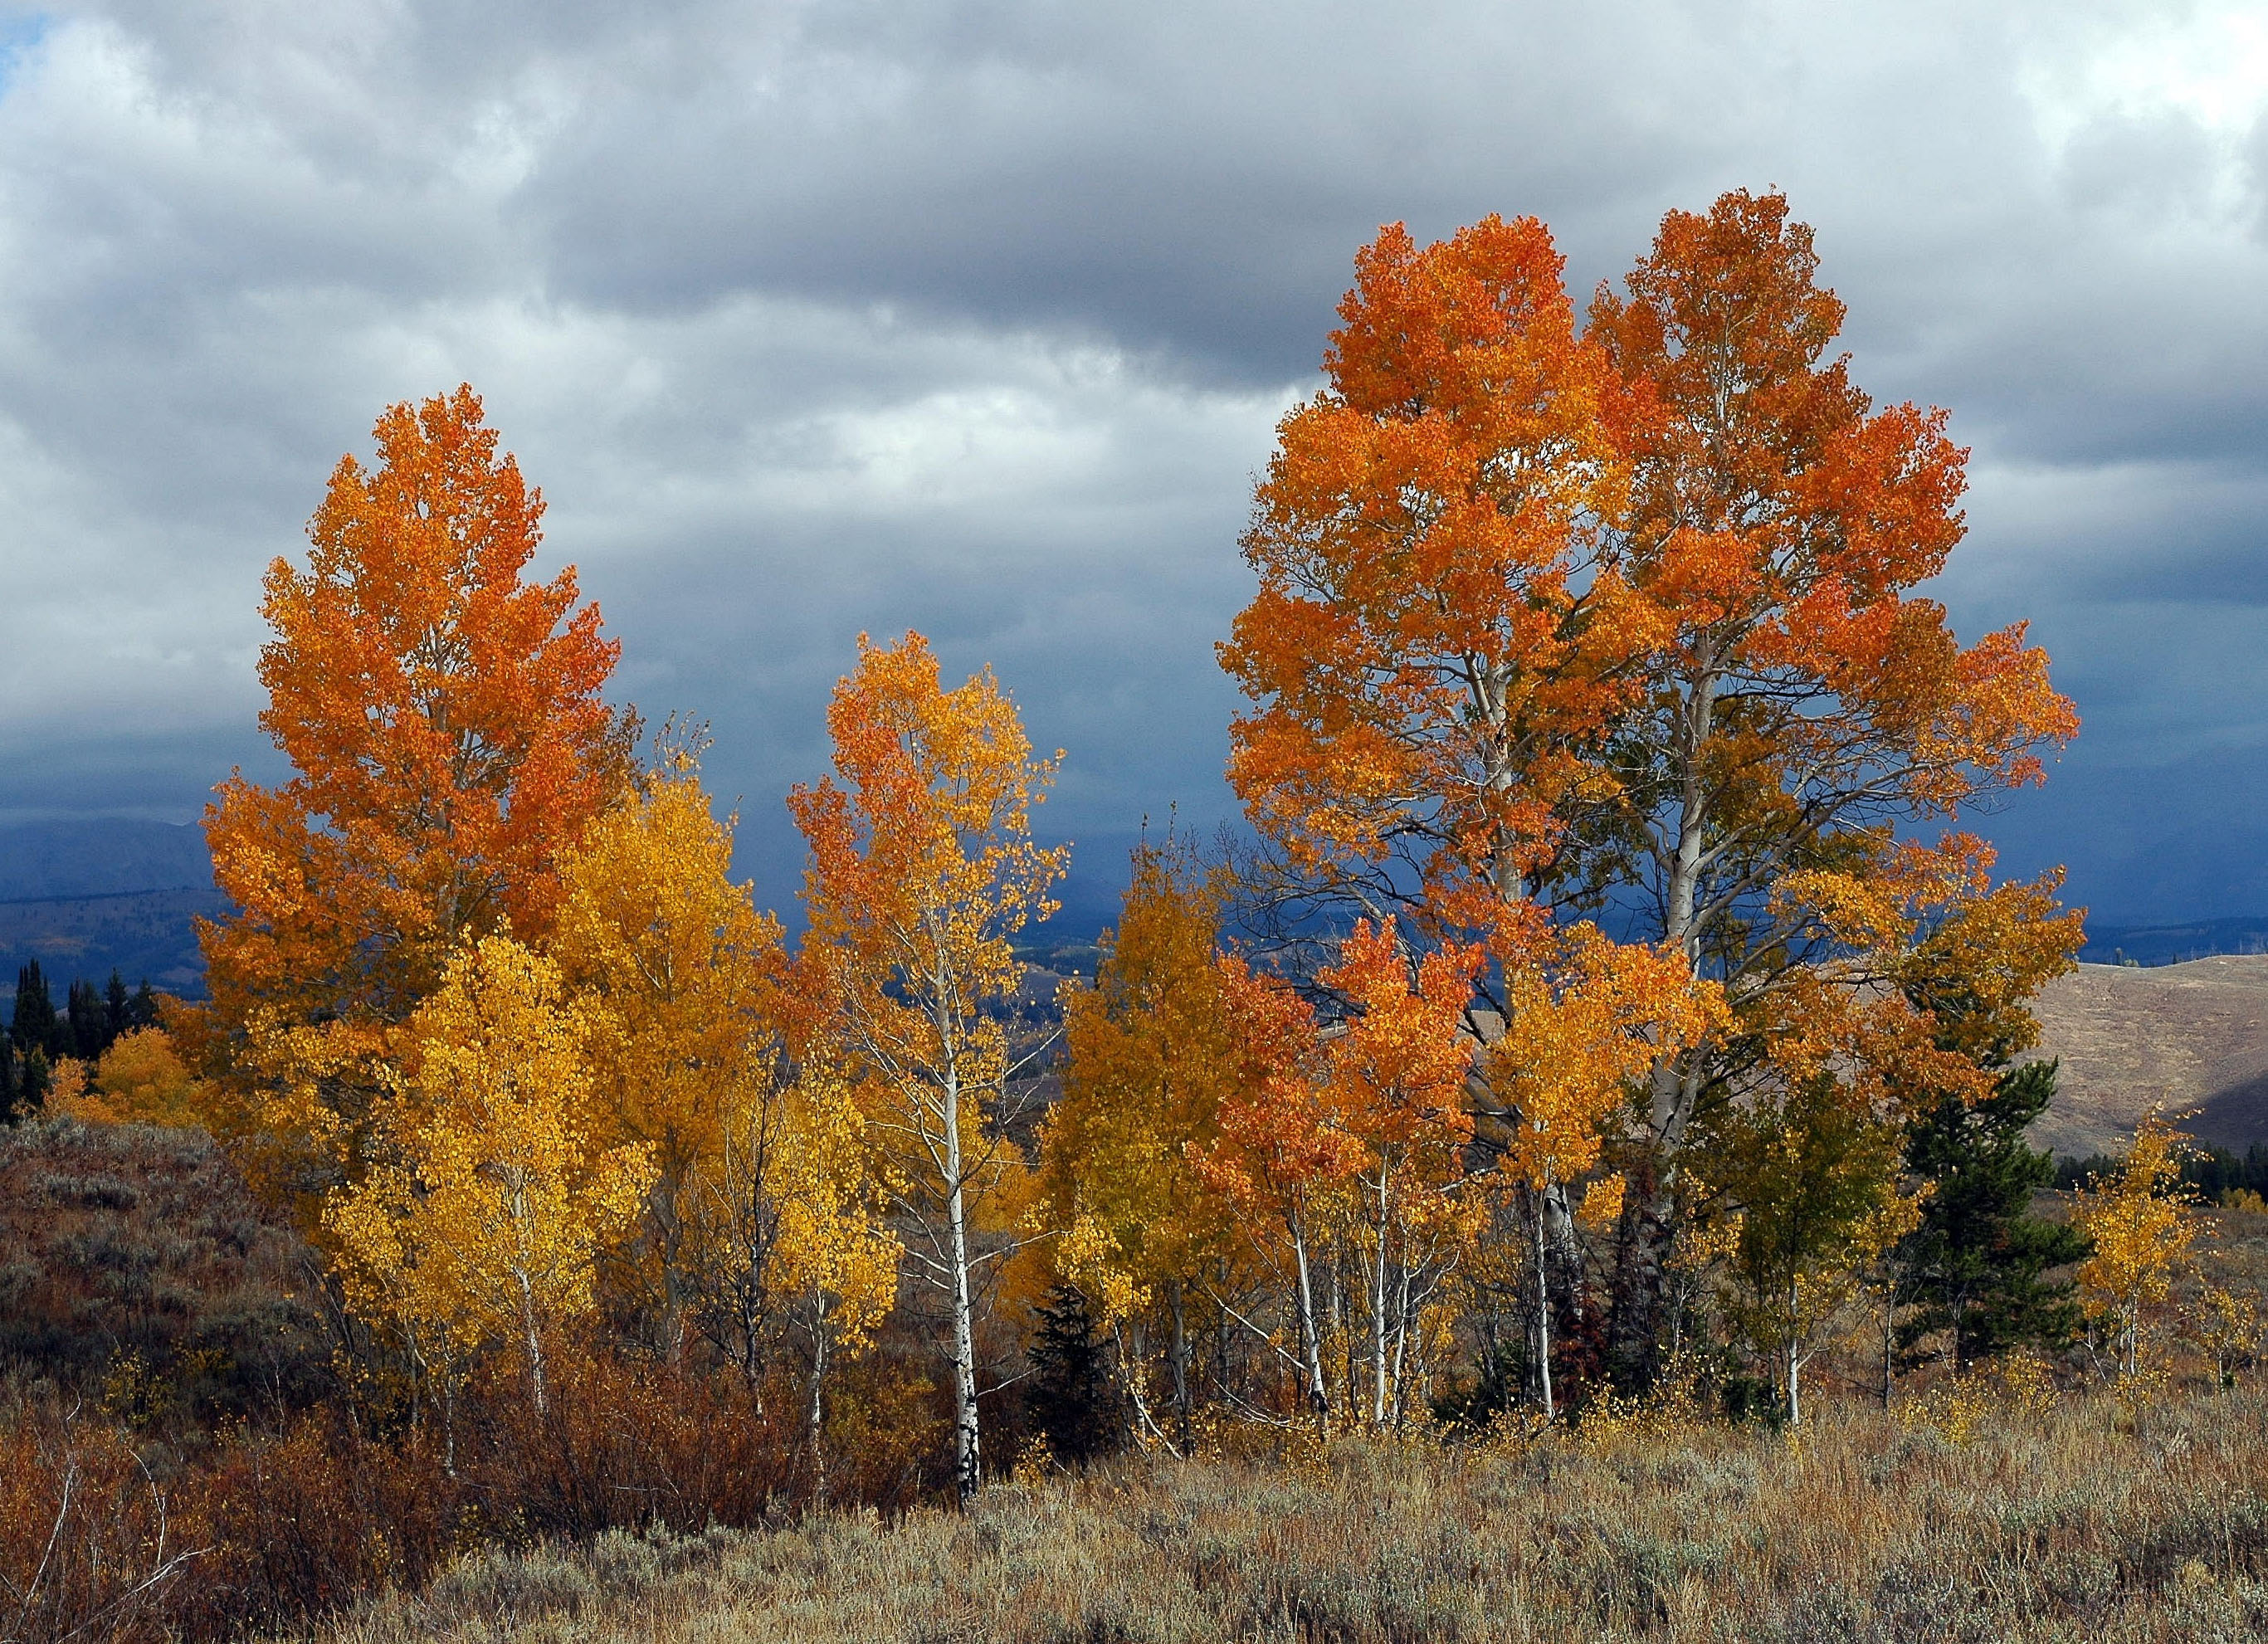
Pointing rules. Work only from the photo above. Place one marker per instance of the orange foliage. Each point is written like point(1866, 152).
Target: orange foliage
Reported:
point(443, 723)
point(1777, 525)
point(1438, 642)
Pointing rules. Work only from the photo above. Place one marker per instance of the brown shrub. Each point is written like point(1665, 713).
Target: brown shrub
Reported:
point(90, 1546)
point(135, 1266)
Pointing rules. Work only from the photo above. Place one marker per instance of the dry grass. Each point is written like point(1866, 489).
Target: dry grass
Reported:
point(2087, 1519)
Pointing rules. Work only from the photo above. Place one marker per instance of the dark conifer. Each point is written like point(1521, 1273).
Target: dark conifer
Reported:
point(8, 1113)
point(35, 1078)
point(1074, 1397)
point(33, 1026)
point(142, 1009)
point(114, 1007)
point(83, 1016)
point(1978, 1260)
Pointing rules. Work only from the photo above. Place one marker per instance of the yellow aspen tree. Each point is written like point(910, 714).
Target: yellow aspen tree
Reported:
point(680, 977)
point(1578, 1034)
point(1396, 1085)
point(484, 1221)
point(922, 867)
point(829, 1243)
point(140, 1080)
point(2143, 1226)
point(1149, 1053)
point(760, 1204)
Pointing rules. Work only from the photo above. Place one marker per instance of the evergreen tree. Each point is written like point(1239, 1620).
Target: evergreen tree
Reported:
point(32, 1085)
point(114, 1007)
point(34, 1026)
point(1074, 1399)
point(8, 1113)
point(83, 1016)
point(142, 1010)
point(1977, 1264)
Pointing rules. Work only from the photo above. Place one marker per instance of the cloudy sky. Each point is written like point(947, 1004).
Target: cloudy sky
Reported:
point(816, 318)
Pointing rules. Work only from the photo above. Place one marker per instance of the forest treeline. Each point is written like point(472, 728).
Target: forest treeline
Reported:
point(1608, 1000)
point(40, 1036)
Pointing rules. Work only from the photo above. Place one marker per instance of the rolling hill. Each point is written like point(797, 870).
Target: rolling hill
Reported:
point(2192, 1036)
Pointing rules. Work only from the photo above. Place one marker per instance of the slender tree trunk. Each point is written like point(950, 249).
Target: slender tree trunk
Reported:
point(1402, 1334)
point(1311, 1343)
point(967, 1456)
point(1889, 1344)
point(1180, 1306)
point(534, 1339)
point(1542, 1308)
point(815, 1415)
point(1794, 1364)
point(1377, 1277)
point(1567, 1248)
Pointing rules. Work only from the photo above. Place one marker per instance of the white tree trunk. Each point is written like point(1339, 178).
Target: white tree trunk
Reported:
point(1542, 1308)
point(967, 1457)
point(1311, 1339)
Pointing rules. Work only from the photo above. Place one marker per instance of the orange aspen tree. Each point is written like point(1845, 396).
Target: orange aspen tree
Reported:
point(2143, 1226)
point(759, 1199)
point(1281, 1157)
point(1799, 699)
point(443, 719)
point(1395, 1085)
point(922, 867)
point(1439, 644)
point(482, 1217)
point(1443, 648)
point(1149, 1056)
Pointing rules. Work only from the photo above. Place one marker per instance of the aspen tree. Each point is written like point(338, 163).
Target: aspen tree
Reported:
point(922, 867)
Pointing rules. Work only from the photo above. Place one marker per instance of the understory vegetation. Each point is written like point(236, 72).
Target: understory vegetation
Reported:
point(1982, 1518)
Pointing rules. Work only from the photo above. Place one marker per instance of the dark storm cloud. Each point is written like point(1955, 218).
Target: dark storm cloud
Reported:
point(977, 317)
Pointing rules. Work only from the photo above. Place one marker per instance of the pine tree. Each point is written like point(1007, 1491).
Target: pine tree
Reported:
point(33, 1026)
point(84, 1023)
point(31, 1086)
point(142, 1009)
point(8, 1113)
point(1977, 1262)
point(115, 1006)
point(1075, 1399)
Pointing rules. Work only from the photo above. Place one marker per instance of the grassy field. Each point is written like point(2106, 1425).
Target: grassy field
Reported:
point(1986, 1518)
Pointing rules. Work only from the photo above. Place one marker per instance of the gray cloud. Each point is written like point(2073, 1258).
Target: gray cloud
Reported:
point(977, 317)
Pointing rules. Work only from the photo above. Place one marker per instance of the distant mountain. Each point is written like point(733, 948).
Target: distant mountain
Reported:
point(101, 857)
point(87, 896)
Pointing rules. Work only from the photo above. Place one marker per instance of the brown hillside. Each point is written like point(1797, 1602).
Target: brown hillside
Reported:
point(2193, 1036)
